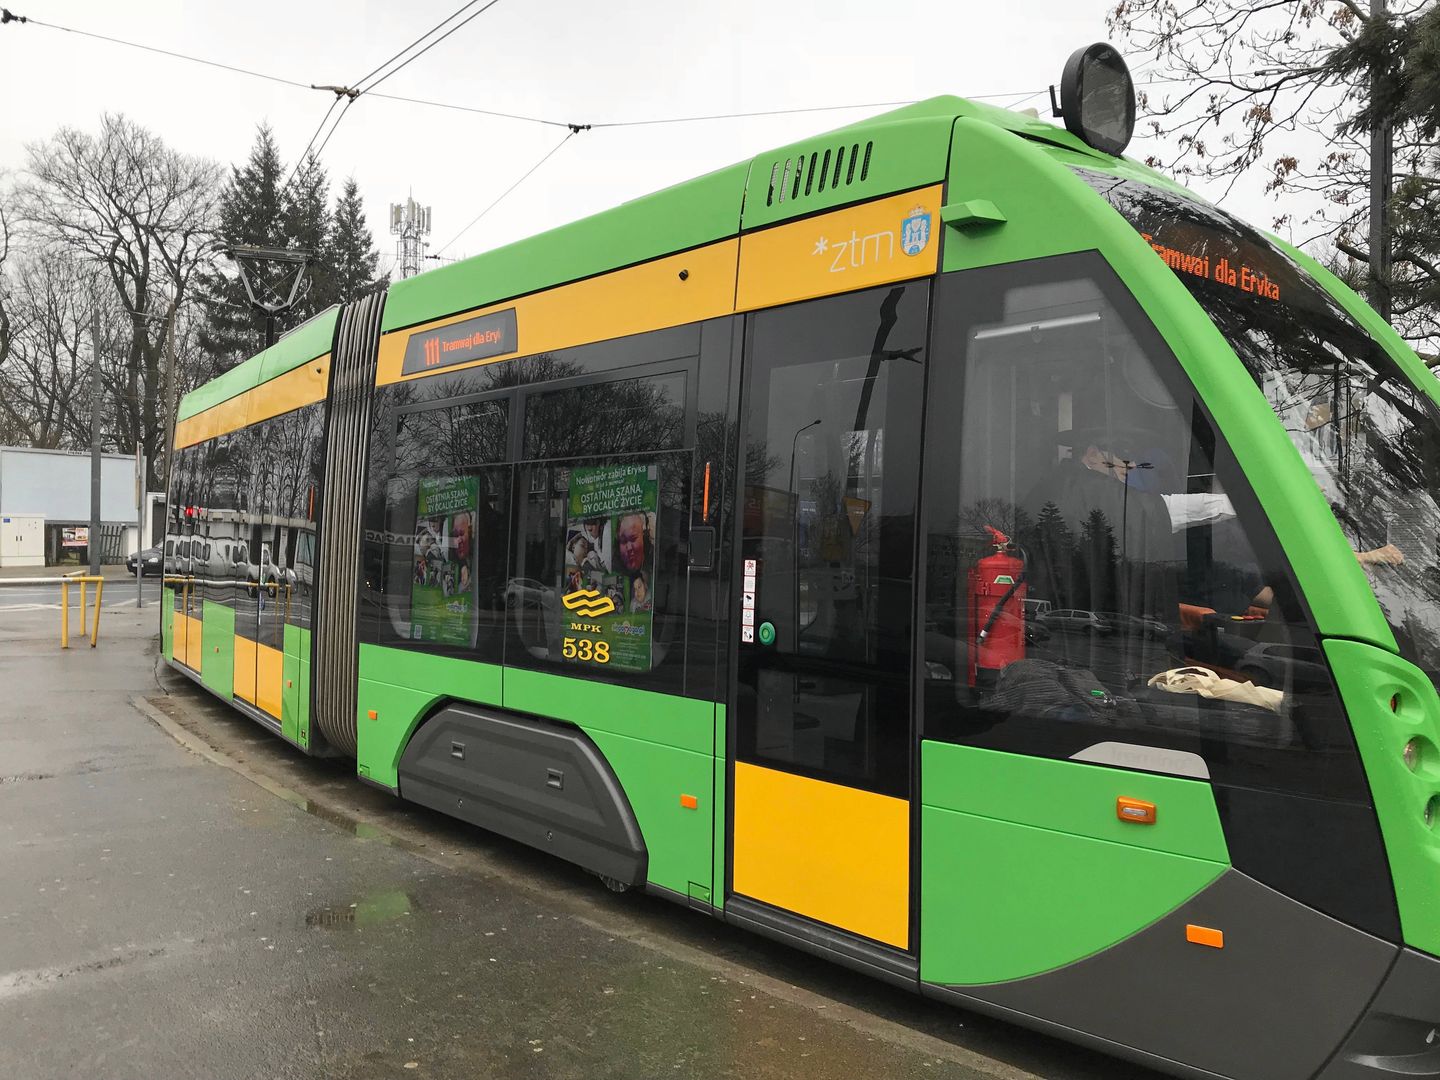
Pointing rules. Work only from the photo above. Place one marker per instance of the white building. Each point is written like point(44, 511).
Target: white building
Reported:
point(53, 486)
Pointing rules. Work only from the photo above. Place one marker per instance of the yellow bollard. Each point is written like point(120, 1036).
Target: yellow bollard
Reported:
point(88, 626)
point(95, 624)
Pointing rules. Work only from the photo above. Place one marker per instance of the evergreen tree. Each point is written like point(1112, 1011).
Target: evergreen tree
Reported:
point(306, 227)
point(250, 213)
point(1098, 559)
point(260, 208)
point(351, 257)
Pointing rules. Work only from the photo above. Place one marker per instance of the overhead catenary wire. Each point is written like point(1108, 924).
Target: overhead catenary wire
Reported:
point(162, 52)
point(300, 161)
point(786, 112)
point(352, 94)
point(367, 84)
point(384, 63)
point(457, 107)
point(416, 56)
point(321, 148)
point(574, 130)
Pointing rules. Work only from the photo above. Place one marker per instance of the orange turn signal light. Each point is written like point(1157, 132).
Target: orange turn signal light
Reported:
point(689, 802)
point(1205, 935)
point(1135, 811)
point(373, 715)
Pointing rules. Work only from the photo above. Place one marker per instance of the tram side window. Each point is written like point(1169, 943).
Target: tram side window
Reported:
point(618, 417)
point(599, 586)
point(446, 529)
point(219, 487)
point(179, 526)
point(831, 465)
point(1099, 577)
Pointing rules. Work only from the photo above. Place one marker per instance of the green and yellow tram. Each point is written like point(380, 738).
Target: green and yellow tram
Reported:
point(944, 545)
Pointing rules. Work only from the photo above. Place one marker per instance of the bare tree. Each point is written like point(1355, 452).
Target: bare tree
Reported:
point(47, 369)
point(1293, 89)
point(10, 432)
point(143, 214)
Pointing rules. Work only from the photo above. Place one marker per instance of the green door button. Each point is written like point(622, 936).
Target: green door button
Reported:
point(767, 633)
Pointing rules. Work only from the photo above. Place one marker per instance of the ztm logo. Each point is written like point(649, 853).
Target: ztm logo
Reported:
point(432, 352)
point(588, 603)
point(857, 251)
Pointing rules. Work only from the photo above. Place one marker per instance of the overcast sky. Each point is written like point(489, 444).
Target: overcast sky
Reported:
point(563, 60)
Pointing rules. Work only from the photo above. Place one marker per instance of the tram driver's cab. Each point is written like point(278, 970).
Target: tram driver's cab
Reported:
point(1170, 617)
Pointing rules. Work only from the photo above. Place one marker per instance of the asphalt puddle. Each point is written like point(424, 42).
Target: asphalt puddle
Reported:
point(381, 907)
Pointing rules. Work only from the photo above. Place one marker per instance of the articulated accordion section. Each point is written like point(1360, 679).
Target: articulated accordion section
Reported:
point(347, 438)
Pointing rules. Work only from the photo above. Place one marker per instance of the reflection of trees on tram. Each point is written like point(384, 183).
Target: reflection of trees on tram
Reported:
point(625, 416)
point(836, 532)
point(1367, 435)
point(1090, 605)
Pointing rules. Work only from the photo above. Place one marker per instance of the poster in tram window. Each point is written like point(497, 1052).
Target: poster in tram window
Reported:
point(442, 594)
point(609, 573)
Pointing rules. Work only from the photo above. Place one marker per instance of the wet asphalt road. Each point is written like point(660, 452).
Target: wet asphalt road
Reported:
point(185, 896)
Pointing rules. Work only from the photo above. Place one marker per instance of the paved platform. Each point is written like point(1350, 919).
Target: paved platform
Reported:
point(185, 896)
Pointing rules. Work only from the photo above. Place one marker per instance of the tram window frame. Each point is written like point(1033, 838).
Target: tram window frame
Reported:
point(1297, 767)
point(669, 675)
point(687, 366)
point(506, 399)
point(486, 642)
point(670, 351)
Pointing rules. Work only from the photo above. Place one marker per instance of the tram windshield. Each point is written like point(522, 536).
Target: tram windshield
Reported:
point(1370, 438)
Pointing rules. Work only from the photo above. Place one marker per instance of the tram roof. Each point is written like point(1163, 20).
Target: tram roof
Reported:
point(905, 148)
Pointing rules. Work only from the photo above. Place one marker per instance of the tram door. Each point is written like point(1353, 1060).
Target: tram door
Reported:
point(821, 813)
point(264, 578)
point(186, 643)
point(273, 597)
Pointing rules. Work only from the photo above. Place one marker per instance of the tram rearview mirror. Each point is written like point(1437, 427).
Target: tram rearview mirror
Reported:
point(1097, 98)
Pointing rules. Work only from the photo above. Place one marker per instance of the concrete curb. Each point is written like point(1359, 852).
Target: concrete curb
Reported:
point(601, 917)
point(201, 748)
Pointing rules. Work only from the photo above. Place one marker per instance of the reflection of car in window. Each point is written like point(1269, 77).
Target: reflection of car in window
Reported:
point(526, 592)
point(1134, 624)
point(1071, 621)
point(1034, 608)
point(1280, 665)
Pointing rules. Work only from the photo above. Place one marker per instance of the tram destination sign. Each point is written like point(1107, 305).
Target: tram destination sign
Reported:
point(461, 342)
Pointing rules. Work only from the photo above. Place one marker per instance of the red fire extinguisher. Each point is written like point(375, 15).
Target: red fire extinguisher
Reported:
point(997, 609)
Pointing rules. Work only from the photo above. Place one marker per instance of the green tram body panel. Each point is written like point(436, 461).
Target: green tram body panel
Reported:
point(1063, 876)
point(681, 217)
point(1023, 876)
point(218, 636)
point(1391, 702)
point(295, 695)
point(167, 623)
point(298, 347)
point(660, 747)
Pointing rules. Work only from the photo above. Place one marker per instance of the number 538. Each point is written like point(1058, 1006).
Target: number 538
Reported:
point(585, 650)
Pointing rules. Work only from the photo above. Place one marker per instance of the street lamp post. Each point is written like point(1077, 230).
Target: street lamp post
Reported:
point(795, 532)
